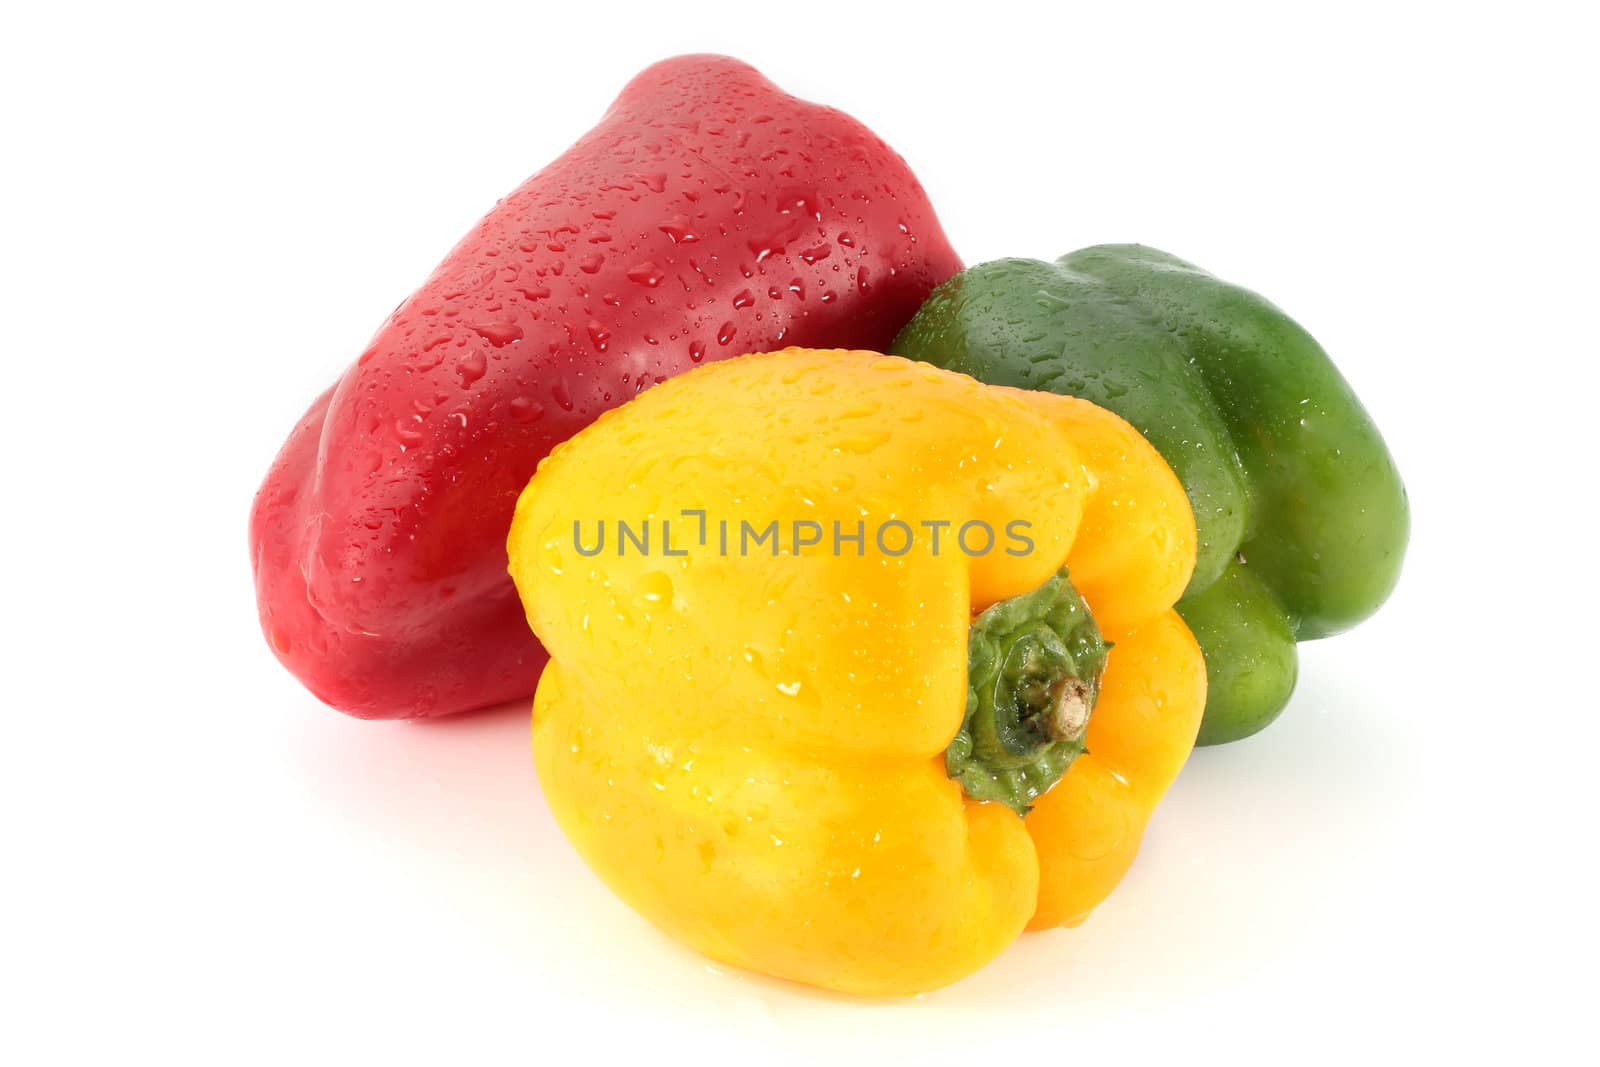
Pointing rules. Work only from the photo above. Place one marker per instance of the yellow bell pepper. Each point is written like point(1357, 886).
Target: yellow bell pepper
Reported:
point(776, 750)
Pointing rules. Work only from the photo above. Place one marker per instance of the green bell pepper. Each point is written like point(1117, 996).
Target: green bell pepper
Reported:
point(1301, 514)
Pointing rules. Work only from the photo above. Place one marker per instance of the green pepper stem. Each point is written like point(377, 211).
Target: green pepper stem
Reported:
point(1033, 672)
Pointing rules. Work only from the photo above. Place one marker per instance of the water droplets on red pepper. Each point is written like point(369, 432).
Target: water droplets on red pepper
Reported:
point(559, 393)
point(679, 229)
point(473, 366)
point(499, 334)
point(409, 430)
point(525, 410)
point(646, 274)
point(591, 263)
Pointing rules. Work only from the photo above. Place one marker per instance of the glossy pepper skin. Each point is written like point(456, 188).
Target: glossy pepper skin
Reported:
point(756, 751)
point(1302, 515)
point(707, 214)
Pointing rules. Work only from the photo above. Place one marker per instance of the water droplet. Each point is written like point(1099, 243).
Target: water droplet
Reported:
point(656, 183)
point(776, 240)
point(598, 335)
point(409, 430)
point(816, 252)
point(847, 240)
point(725, 333)
point(679, 230)
point(646, 274)
point(591, 263)
point(803, 203)
point(559, 393)
point(655, 588)
point(697, 351)
point(862, 275)
point(863, 443)
point(535, 292)
point(499, 334)
point(473, 365)
point(797, 287)
point(525, 410)
point(744, 298)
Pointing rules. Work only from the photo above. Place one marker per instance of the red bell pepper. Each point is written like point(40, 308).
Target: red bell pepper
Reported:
point(709, 214)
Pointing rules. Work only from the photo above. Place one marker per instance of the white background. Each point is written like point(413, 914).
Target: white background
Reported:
point(207, 211)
